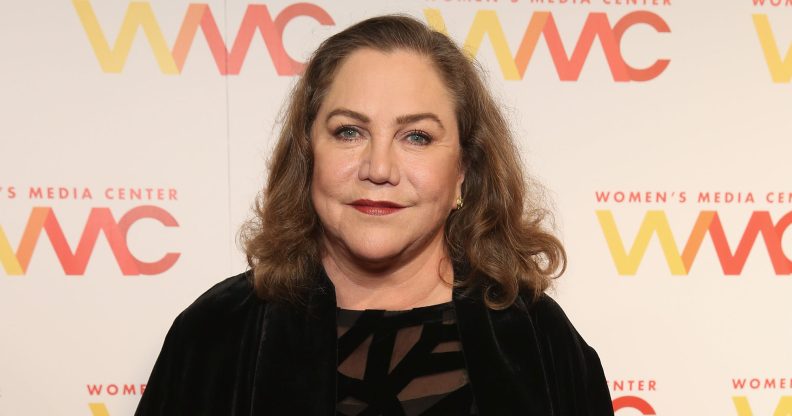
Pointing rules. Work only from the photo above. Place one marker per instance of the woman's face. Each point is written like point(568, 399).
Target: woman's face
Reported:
point(386, 157)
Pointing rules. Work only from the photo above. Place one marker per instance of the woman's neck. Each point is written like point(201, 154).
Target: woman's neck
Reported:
point(422, 280)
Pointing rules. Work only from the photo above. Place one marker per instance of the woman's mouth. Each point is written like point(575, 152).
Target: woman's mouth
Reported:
point(370, 207)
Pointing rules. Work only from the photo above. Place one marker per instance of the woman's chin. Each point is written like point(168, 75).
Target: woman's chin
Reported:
point(376, 257)
point(379, 249)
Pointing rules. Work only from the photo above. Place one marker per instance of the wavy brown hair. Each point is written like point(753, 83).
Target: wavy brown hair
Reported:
point(499, 234)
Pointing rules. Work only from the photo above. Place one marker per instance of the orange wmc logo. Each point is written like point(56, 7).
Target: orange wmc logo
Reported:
point(100, 220)
point(568, 67)
point(198, 16)
point(707, 222)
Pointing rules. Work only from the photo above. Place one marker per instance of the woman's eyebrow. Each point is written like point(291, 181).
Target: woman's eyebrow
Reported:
point(349, 113)
point(412, 118)
point(401, 120)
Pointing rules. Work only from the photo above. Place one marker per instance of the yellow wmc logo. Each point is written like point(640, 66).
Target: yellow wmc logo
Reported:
point(780, 68)
point(98, 409)
point(743, 407)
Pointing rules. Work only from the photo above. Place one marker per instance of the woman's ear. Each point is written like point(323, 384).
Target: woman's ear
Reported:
point(460, 180)
point(458, 198)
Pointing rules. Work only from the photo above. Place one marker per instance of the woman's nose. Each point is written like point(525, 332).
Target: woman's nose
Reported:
point(379, 163)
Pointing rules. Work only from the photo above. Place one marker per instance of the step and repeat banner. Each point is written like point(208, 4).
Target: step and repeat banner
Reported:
point(135, 136)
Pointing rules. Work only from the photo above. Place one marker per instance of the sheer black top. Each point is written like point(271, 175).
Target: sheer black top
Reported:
point(233, 354)
point(401, 363)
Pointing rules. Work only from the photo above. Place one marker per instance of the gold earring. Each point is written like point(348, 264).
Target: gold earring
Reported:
point(459, 203)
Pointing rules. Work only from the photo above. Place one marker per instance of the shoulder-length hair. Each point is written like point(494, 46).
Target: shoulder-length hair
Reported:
point(499, 232)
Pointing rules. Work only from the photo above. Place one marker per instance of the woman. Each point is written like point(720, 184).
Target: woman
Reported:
point(397, 266)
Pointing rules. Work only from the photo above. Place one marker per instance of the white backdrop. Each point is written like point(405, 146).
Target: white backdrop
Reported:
point(123, 139)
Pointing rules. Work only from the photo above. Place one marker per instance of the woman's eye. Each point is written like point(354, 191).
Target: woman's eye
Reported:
point(419, 138)
point(347, 133)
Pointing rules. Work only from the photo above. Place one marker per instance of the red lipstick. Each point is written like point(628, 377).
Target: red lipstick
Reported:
point(370, 207)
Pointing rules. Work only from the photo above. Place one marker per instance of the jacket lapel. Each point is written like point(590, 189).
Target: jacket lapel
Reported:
point(296, 369)
point(503, 358)
point(320, 338)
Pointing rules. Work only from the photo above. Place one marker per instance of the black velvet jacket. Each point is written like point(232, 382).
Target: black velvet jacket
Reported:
point(232, 354)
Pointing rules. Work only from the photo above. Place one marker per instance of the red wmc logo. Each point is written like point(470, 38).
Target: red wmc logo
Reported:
point(100, 220)
point(633, 402)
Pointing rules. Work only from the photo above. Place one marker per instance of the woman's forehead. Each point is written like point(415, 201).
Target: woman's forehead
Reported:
point(391, 83)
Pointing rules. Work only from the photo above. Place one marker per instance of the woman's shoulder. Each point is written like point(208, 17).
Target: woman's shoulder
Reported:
point(570, 361)
point(546, 309)
point(212, 335)
point(222, 303)
point(551, 321)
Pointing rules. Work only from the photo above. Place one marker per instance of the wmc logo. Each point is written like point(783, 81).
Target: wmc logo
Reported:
point(100, 220)
point(655, 223)
point(634, 403)
point(631, 402)
point(780, 70)
point(111, 390)
point(743, 406)
point(766, 394)
point(257, 18)
point(568, 67)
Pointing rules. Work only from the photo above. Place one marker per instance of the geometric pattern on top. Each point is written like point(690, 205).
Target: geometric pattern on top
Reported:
point(401, 363)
